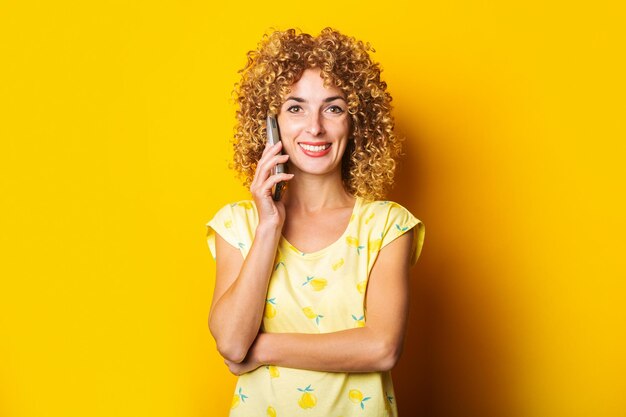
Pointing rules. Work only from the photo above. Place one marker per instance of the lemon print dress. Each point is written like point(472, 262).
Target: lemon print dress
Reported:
point(318, 292)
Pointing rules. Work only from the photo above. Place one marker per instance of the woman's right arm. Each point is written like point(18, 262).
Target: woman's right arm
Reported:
point(241, 285)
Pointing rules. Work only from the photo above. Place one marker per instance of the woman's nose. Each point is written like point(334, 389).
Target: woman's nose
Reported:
point(315, 124)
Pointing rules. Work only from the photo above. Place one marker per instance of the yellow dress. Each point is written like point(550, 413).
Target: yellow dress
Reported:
point(318, 292)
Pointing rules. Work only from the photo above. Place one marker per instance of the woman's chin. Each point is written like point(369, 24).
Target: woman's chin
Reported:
point(315, 169)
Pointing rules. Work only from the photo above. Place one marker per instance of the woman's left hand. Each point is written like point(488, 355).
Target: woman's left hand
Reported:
point(250, 363)
point(243, 367)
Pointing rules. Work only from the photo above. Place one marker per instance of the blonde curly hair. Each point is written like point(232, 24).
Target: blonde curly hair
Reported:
point(369, 162)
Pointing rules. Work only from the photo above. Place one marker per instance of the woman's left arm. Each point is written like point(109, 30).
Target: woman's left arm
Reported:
point(372, 348)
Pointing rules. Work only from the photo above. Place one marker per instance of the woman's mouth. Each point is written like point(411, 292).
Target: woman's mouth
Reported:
point(315, 149)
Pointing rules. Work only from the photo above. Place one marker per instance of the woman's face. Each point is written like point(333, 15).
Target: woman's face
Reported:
point(314, 125)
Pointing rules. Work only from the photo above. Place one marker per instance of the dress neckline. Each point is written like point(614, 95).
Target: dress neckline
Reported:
point(318, 253)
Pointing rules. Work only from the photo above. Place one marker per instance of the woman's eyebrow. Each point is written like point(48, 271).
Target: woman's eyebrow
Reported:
point(326, 100)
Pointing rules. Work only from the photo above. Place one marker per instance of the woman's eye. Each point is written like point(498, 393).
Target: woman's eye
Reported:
point(294, 109)
point(335, 109)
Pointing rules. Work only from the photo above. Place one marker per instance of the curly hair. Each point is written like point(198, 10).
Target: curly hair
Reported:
point(369, 162)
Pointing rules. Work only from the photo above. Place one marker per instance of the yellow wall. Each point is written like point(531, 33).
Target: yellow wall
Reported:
point(114, 126)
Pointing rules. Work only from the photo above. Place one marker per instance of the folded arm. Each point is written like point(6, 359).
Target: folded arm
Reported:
point(239, 297)
point(374, 347)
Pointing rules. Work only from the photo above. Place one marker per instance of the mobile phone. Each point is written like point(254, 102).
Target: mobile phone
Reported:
point(273, 137)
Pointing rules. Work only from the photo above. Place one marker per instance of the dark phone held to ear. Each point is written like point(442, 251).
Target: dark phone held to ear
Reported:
point(273, 137)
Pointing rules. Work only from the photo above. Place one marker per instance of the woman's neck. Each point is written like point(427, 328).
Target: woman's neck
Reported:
point(312, 193)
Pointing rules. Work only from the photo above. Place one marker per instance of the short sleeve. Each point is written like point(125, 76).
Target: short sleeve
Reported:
point(400, 221)
point(223, 224)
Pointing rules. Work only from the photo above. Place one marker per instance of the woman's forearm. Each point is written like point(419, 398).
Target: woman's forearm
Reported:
point(354, 350)
point(236, 317)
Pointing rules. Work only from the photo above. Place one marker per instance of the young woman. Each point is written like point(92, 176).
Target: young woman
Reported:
point(311, 293)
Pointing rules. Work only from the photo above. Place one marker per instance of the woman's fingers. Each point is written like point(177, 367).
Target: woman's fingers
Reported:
point(269, 164)
point(264, 181)
point(266, 189)
point(264, 169)
point(268, 152)
point(266, 148)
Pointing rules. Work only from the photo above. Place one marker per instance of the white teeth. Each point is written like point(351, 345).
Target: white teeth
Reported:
point(312, 148)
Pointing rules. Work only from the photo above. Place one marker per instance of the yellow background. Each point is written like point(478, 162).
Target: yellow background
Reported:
point(115, 120)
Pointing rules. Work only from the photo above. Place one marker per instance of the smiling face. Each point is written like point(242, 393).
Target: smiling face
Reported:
point(314, 125)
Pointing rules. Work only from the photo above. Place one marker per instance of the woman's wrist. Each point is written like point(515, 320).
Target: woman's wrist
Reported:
point(261, 352)
point(268, 231)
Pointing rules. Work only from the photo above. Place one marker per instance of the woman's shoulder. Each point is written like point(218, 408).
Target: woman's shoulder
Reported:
point(237, 212)
point(237, 207)
point(388, 220)
point(385, 214)
point(381, 206)
point(243, 205)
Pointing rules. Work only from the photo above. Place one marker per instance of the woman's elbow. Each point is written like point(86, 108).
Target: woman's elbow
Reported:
point(234, 352)
point(390, 354)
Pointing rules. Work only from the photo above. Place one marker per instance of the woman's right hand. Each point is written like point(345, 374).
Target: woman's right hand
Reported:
point(271, 213)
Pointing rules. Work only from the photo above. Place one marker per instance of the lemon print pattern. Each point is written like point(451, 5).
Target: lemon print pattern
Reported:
point(356, 397)
point(280, 260)
point(273, 370)
point(337, 264)
point(401, 228)
point(246, 204)
point(307, 399)
point(359, 321)
point(270, 309)
point(312, 293)
point(279, 264)
point(238, 399)
point(317, 284)
point(354, 242)
point(308, 311)
point(374, 245)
